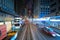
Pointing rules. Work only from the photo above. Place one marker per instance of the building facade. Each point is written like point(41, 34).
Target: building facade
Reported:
point(41, 8)
point(7, 13)
point(7, 8)
point(54, 8)
point(36, 8)
point(45, 9)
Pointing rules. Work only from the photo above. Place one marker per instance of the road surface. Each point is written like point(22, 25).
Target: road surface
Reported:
point(31, 32)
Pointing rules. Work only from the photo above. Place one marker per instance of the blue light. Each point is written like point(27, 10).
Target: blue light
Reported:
point(14, 37)
point(42, 14)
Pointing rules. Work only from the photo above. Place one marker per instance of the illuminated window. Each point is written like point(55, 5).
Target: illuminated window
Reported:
point(1, 23)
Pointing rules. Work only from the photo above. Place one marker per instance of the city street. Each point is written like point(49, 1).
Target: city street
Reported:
point(29, 19)
point(31, 32)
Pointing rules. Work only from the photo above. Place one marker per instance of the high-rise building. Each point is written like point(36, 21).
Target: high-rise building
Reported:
point(36, 8)
point(7, 7)
point(41, 8)
point(54, 8)
point(44, 7)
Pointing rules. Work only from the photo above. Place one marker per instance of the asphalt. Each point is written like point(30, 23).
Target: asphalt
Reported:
point(47, 36)
point(56, 30)
point(32, 32)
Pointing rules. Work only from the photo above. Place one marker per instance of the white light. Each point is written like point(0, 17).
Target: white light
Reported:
point(40, 19)
point(58, 35)
point(18, 18)
point(47, 27)
point(54, 20)
point(17, 27)
point(53, 35)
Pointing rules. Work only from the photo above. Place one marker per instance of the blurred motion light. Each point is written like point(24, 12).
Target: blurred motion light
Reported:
point(18, 18)
point(47, 27)
point(14, 37)
point(54, 19)
point(41, 19)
